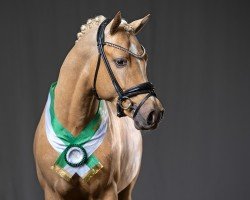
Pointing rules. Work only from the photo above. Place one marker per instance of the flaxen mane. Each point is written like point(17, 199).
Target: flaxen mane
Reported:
point(96, 21)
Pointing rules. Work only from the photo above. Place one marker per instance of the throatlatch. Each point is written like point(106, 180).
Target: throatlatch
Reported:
point(143, 88)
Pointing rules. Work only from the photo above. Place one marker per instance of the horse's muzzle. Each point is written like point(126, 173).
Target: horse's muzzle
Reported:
point(149, 116)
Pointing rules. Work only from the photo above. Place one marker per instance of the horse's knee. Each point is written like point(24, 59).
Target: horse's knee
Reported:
point(112, 195)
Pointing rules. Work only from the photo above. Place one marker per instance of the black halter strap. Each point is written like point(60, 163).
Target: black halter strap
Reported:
point(144, 88)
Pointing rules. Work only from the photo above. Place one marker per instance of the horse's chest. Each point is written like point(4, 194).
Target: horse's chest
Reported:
point(129, 151)
point(130, 165)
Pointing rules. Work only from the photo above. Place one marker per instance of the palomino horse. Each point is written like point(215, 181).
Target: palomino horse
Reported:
point(87, 148)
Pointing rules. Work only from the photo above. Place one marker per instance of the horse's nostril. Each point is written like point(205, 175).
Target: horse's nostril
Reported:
point(150, 119)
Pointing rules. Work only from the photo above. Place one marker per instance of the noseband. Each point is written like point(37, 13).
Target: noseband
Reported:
point(123, 96)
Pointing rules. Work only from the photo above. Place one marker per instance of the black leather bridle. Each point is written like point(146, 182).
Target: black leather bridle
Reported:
point(143, 88)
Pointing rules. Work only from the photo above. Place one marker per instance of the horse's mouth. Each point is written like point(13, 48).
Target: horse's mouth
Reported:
point(141, 126)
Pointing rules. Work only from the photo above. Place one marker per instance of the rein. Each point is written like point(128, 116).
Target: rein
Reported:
point(143, 88)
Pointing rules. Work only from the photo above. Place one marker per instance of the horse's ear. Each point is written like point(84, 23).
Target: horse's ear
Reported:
point(137, 25)
point(115, 23)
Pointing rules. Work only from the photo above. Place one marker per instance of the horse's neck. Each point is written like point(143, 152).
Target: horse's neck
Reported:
point(75, 105)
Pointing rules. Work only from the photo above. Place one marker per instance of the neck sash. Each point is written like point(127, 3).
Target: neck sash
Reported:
point(76, 153)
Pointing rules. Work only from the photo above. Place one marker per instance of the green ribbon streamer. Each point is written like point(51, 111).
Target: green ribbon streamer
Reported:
point(66, 136)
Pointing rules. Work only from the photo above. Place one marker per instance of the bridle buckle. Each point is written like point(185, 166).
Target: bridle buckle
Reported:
point(125, 103)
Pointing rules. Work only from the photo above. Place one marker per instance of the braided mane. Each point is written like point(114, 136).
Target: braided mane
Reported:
point(96, 21)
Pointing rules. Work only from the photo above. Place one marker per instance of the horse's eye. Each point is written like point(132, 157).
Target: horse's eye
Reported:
point(121, 62)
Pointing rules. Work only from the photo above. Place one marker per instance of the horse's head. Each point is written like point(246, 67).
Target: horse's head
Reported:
point(120, 74)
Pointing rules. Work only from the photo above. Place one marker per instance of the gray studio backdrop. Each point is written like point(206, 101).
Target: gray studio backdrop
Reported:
point(199, 63)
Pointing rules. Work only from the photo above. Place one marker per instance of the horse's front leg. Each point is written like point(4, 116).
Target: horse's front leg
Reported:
point(126, 193)
point(110, 193)
point(49, 194)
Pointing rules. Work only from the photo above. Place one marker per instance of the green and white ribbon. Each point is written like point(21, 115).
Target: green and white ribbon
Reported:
point(88, 140)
